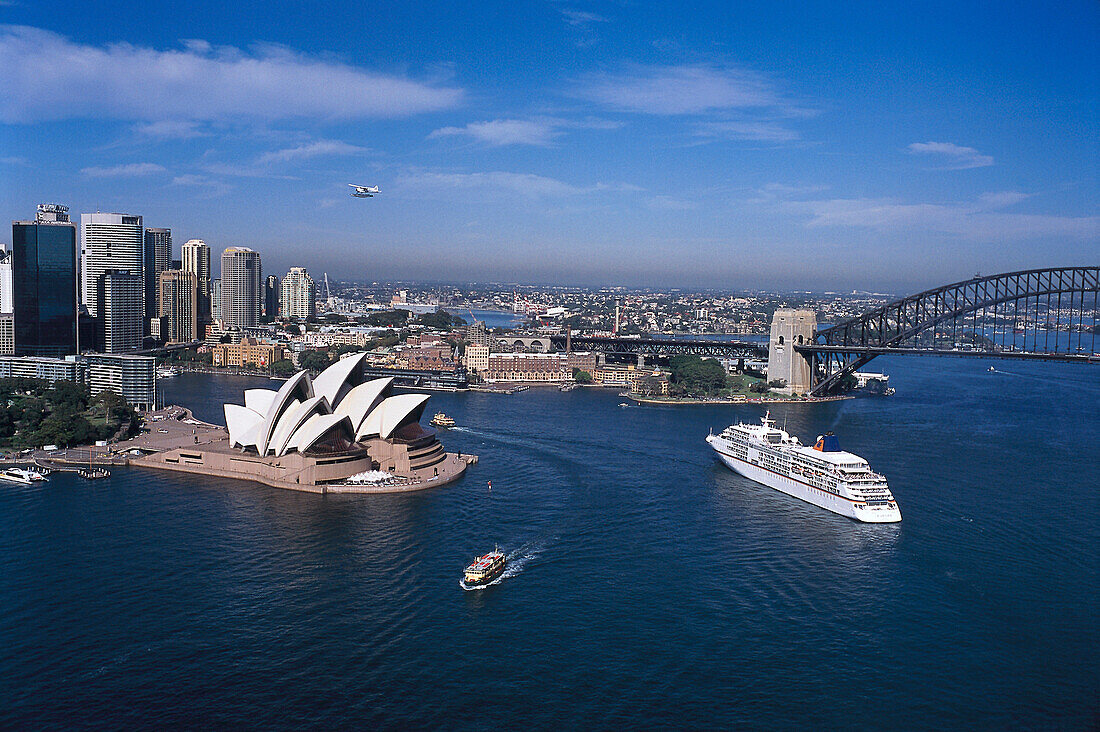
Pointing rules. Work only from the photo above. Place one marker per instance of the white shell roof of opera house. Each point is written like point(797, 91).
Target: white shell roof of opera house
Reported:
point(305, 411)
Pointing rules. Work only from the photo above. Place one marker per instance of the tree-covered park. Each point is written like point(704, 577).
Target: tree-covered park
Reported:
point(34, 413)
point(693, 376)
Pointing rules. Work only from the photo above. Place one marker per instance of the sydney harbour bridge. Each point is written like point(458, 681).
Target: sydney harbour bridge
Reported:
point(1045, 314)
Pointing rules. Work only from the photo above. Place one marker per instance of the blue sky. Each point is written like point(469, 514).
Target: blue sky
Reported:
point(879, 145)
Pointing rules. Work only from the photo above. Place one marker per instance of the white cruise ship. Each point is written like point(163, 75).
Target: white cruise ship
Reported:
point(823, 475)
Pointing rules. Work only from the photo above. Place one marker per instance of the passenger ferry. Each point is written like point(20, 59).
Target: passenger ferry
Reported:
point(484, 570)
point(823, 475)
point(167, 372)
point(442, 420)
point(21, 475)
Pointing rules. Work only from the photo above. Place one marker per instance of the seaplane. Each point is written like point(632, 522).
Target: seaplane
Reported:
point(364, 191)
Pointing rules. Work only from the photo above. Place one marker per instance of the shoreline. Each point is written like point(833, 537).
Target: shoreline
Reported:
point(695, 401)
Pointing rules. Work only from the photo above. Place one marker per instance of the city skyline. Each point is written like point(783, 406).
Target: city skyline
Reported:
point(887, 148)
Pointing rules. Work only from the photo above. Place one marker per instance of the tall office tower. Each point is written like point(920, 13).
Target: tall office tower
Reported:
point(195, 258)
point(242, 290)
point(299, 294)
point(161, 240)
point(216, 301)
point(179, 308)
point(158, 257)
point(109, 241)
point(43, 283)
point(271, 298)
point(120, 297)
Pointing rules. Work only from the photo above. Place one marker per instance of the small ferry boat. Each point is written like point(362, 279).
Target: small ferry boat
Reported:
point(167, 372)
point(21, 475)
point(442, 420)
point(484, 570)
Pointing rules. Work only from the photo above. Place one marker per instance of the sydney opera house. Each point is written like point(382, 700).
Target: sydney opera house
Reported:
point(338, 432)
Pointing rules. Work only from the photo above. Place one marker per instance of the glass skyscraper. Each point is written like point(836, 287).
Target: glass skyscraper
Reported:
point(44, 283)
point(158, 258)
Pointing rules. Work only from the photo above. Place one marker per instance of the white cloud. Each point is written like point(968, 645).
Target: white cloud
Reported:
point(524, 184)
point(197, 82)
point(581, 18)
point(541, 131)
point(954, 157)
point(759, 131)
point(190, 179)
point(973, 221)
point(687, 89)
point(1001, 199)
point(500, 132)
point(169, 129)
point(123, 171)
point(669, 203)
point(312, 150)
point(213, 187)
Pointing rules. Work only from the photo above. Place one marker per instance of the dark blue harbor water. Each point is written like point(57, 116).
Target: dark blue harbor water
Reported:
point(650, 586)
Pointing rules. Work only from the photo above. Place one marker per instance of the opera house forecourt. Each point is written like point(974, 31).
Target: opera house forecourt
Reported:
point(337, 433)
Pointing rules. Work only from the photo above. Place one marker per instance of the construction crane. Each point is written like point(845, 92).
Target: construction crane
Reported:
point(328, 294)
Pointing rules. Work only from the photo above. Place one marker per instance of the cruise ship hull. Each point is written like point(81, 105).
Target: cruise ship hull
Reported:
point(809, 494)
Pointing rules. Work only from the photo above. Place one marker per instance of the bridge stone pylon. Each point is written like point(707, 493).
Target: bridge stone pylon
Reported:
point(790, 328)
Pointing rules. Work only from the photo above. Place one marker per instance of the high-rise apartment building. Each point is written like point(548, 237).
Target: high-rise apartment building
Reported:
point(41, 291)
point(158, 257)
point(121, 297)
point(195, 258)
point(298, 295)
point(109, 241)
point(242, 290)
point(179, 308)
point(7, 316)
point(271, 298)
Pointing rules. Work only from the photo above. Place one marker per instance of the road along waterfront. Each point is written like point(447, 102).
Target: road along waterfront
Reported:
point(647, 585)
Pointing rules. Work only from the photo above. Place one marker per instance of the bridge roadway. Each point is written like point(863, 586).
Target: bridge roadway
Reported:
point(663, 346)
point(742, 349)
point(810, 350)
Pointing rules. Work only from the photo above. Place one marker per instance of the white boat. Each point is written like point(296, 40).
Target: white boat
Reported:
point(823, 475)
point(167, 372)
point(21, 475)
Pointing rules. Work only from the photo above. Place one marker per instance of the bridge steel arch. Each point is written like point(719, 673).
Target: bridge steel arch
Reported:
point(1037, 313)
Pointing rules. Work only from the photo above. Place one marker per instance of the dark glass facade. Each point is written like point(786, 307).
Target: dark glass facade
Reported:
point(157, 257)
point(44, 288)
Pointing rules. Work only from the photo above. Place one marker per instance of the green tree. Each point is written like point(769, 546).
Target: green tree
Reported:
point(581, 377)
point(440, 320)
point(314, 360)
point(341, 350)
point(695, 376)
point(285, 367)
point(388, 318)
point(68, 397)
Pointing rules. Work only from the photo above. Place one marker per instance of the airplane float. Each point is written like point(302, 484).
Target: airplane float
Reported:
point(364, 191)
